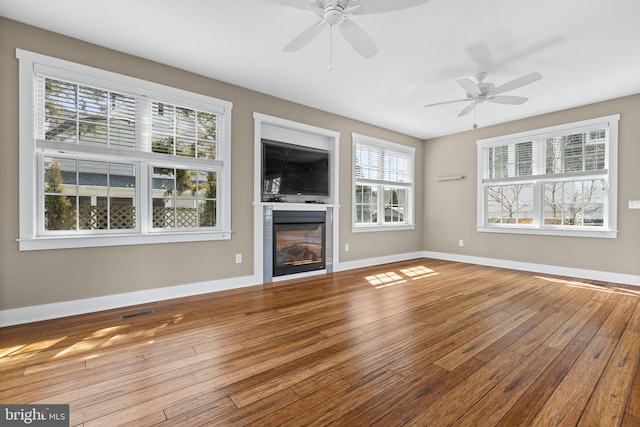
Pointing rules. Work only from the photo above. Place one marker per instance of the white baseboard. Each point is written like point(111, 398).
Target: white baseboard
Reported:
point(90, 305)
point(36, 313)
point(578, 273)
point(350, 265)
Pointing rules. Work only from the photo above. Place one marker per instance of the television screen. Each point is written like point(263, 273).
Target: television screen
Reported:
point(294, 169)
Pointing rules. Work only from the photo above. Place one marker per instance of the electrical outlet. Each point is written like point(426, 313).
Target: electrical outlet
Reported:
point(634, 204)
point(460, 242)
point(238, 258)
point(346, 247)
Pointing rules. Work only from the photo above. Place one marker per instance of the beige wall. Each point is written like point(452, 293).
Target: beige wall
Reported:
point(456, 155)
point(39, 277)
point(445, 211)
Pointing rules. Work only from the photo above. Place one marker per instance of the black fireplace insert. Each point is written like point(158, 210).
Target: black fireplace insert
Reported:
point(299, 241)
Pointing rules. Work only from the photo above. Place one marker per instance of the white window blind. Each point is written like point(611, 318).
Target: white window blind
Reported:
point(383, 190)
point(119, 160)
point(552, 181)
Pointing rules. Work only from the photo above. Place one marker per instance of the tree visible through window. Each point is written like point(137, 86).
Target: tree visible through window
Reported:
point(383, 190)
point(560, 179)
point(120, 156)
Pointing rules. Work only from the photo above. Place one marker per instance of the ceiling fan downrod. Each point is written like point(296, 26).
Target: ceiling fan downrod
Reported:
point(330, 66)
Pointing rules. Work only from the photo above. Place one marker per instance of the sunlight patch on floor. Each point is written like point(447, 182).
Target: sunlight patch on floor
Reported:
point(418, 272)
point(384, 280)
point(583, 285)
point(392, 278)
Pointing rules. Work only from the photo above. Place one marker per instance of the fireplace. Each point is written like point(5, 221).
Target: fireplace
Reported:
point(299, 241)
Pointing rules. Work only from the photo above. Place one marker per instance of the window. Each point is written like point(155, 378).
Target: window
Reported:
point(559, 180)
point(383, 185)
point(107, 159)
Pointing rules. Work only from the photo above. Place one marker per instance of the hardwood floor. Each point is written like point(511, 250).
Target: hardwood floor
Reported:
point(417, 343)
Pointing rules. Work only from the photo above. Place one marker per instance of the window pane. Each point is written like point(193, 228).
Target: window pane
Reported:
point(576, 152)
point(122, 125)
point(207, 212)
point(523, 159)
point(395, 204)
point(575, 203)
point(122, 191)
point(510, 204)
point(98, 185)
point(88, 116)
point(92, 134)
point(366, 209)
point(60, 110)
point(511, 160)
point(93, 178)
point(122, 213)
point(186, 213)
point(395, 167)
point(367, 162)
point(59, 213)
point(184, 198)
point(206, 136)
point(185, 147)
point(185, 123)
point(498, 162)
point(183, 132)
point(59, 194)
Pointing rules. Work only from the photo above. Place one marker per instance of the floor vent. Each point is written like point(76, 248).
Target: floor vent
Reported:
point(132, 315)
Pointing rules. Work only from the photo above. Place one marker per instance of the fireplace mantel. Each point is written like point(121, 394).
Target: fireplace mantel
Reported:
point(286, 206)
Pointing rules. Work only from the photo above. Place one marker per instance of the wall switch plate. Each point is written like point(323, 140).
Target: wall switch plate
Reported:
point(634, 204)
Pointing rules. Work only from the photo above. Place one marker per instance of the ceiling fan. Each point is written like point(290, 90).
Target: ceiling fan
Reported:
point(338, 13)
point(480, 91)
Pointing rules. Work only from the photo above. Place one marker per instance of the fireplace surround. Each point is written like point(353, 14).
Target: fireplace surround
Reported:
point(296, 241)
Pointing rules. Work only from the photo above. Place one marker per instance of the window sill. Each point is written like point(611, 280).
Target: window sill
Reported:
point(374, 228)
point(69, 242)
point(581, 232)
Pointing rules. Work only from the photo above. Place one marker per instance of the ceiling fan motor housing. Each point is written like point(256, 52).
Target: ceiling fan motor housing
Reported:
point(334, 15)
point(486, 89)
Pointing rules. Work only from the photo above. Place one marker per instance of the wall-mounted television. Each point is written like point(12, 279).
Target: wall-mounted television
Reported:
point(289, 169)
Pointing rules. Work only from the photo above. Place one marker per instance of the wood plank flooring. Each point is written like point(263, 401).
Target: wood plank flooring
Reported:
point(417, 343)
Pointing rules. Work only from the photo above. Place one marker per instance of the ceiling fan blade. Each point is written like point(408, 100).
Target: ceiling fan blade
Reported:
point(466, 110)
point(506, 99)
point(298, 4)
point(305, 37)
point(519, 82)
point(470, 86)
point(446, 102)
point(357, 38)
point(369, 7)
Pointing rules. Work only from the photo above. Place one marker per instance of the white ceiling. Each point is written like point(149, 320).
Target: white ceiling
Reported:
point(587, 51)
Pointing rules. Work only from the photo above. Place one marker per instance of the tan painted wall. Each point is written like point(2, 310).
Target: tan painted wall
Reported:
point(39, 277)
point(456, 155)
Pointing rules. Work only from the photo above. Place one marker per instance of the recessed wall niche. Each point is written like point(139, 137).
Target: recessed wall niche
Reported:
point(306, 136)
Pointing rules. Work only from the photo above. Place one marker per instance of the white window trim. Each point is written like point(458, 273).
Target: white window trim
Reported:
point(611, 169)
point(29, 239)
point(411, 152)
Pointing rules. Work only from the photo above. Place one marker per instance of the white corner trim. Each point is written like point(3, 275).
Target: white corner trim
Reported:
point(36, 313)
point(578, 273)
